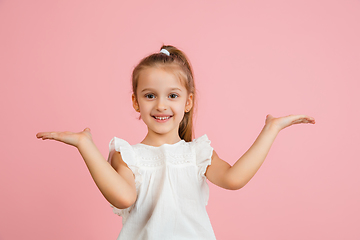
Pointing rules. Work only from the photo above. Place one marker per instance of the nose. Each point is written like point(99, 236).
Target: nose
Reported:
point(161, 104)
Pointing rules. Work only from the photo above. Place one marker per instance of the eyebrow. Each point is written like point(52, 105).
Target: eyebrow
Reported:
point(150, 89)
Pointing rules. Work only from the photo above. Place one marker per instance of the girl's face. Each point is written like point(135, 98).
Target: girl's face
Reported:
point(162, 101)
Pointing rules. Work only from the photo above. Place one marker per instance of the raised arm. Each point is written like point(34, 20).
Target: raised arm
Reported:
point(236, 176)
point(115, 182)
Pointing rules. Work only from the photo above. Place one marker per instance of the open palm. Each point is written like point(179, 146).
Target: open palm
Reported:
point(70, 138)
point(283, 122)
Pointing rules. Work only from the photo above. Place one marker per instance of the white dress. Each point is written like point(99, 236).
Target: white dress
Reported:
point(172, 191)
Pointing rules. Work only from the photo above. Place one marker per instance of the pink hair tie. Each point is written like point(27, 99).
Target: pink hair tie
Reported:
point(164, 51)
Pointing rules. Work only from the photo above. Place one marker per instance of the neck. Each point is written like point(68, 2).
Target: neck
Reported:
point(156, 140)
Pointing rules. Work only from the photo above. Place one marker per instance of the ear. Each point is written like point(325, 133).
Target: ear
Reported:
point(135, 103)
point(189, 103)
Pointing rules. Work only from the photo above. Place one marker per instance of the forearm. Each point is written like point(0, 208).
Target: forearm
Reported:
point(247, 165)
point(236, 176)
point(112, 185)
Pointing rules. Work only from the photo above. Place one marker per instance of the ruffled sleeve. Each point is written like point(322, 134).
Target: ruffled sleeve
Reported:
point(123, 147)
point(204, 153)
point(128, 156)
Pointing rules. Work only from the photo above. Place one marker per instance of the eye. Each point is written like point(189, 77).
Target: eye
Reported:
point(173, 95)
point(150, 96)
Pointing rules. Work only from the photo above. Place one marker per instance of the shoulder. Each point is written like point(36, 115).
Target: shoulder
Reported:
point(120, 165)
point(118, 144)
point(202, 144)
point(203, 152)
point(203, 139)
point(120, 153)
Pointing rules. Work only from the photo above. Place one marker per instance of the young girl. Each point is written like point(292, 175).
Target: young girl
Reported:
point(159, 185)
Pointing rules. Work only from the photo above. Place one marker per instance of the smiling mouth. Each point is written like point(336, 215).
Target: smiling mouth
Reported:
point(162, 118)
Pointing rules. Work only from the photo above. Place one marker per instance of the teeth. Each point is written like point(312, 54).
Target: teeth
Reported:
point(162, 118)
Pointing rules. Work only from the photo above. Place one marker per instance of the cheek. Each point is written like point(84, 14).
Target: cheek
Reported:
point(180, 109)
point(144, 107)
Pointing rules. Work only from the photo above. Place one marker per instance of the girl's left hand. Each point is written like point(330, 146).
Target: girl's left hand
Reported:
point(283, 122)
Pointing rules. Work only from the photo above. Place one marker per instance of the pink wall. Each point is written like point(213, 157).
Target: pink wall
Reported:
point(66, 65)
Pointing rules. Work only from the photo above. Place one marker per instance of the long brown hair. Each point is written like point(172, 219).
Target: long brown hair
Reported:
point(180, 65)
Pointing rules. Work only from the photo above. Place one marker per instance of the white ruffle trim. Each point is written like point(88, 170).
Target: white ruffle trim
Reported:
point(204, 153)
point(128, 156)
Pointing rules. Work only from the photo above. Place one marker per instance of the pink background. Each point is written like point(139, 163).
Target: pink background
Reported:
point(66, 65)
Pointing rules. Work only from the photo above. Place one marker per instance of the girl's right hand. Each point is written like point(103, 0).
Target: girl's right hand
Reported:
point(70, 138)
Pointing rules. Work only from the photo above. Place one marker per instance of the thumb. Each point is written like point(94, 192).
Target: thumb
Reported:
point(269, 116)
point(87, 129)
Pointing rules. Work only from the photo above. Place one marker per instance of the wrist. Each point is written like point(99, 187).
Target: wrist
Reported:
point(83, 142)
point(271, 127)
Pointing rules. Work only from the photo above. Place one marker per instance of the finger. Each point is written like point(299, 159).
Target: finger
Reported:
point(308, 119)
point(47, 135)
point(302, 119)
point(42, 134)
